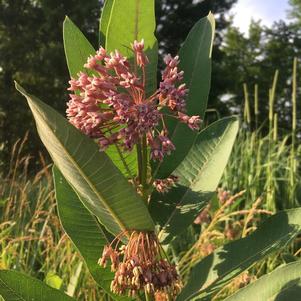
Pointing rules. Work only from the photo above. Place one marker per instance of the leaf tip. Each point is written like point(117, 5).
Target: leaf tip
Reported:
point(19, 88)
point(67, 19)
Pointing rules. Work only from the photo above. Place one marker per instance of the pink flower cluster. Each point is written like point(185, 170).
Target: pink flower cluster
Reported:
point(111, 105)
point(164, 185)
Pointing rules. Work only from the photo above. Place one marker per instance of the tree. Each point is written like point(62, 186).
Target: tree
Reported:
point(254, 60)
point(176, 17)
point(295, 11)
point(31, 51)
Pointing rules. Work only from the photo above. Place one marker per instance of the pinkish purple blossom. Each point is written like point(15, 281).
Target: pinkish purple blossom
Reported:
point(164, 185)
point(111, 106)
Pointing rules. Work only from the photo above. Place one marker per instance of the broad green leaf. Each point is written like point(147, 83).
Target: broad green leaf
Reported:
point(77, 51)
point(122, 23)
point(199, 174)
point(216, 270)
point(102, 188)
point(195, 56)
point(15, 286)
point(83, 229)
point(104, 21)
point(134, 20)
point(77, 48)
point(283, 284)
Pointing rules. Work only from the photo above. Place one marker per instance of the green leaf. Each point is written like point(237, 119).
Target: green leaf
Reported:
point(53, 280)
point(17, 286)
point(122, 23)
point(77, 51)
point(126, 162)
point(83, 229)
point(216, 270)
point(104, 21)
point(199, 174)
point(195, 56)
point(283, 284)
point(102, 188)
point(134, 20)
point(77, 48)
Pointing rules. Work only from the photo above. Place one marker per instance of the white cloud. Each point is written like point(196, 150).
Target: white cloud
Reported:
point(266, 10)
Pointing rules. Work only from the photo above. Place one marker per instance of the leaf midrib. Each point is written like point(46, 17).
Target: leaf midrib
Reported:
point(91, 185)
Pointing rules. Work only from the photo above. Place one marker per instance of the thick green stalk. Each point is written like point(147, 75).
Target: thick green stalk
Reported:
point(144, 163)
point(140, 164)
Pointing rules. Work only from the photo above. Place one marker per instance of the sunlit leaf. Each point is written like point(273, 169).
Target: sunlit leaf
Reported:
point(283, 284)
point(104, 21)
point(134, 20)
point(195, 56)
point(216, 270)
point(53, 280)
point(77, 48)
point(199, 174)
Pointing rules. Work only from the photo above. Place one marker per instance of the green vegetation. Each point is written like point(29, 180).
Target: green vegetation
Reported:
point(33, 241)
point(240, 241)
point(267, 164)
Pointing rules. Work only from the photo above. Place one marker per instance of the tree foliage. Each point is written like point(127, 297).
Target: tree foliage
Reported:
point(254, 60)
point(31, 51)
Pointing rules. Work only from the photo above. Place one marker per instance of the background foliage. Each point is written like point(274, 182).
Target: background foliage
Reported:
point(36, 58)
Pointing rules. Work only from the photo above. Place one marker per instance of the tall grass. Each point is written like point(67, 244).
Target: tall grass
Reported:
point(31, 238)
point(267, 165)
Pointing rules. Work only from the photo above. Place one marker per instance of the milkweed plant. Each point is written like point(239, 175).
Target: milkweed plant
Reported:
point(134, 164)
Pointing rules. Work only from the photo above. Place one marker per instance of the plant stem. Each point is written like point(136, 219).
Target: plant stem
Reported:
point(139, 158)
point(144, 162)
point(148, 296)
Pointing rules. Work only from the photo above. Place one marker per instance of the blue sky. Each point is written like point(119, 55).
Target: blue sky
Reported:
point(266, 10)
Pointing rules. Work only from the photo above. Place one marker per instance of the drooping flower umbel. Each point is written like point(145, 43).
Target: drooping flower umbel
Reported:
point(142, 267)
point(112, 105)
